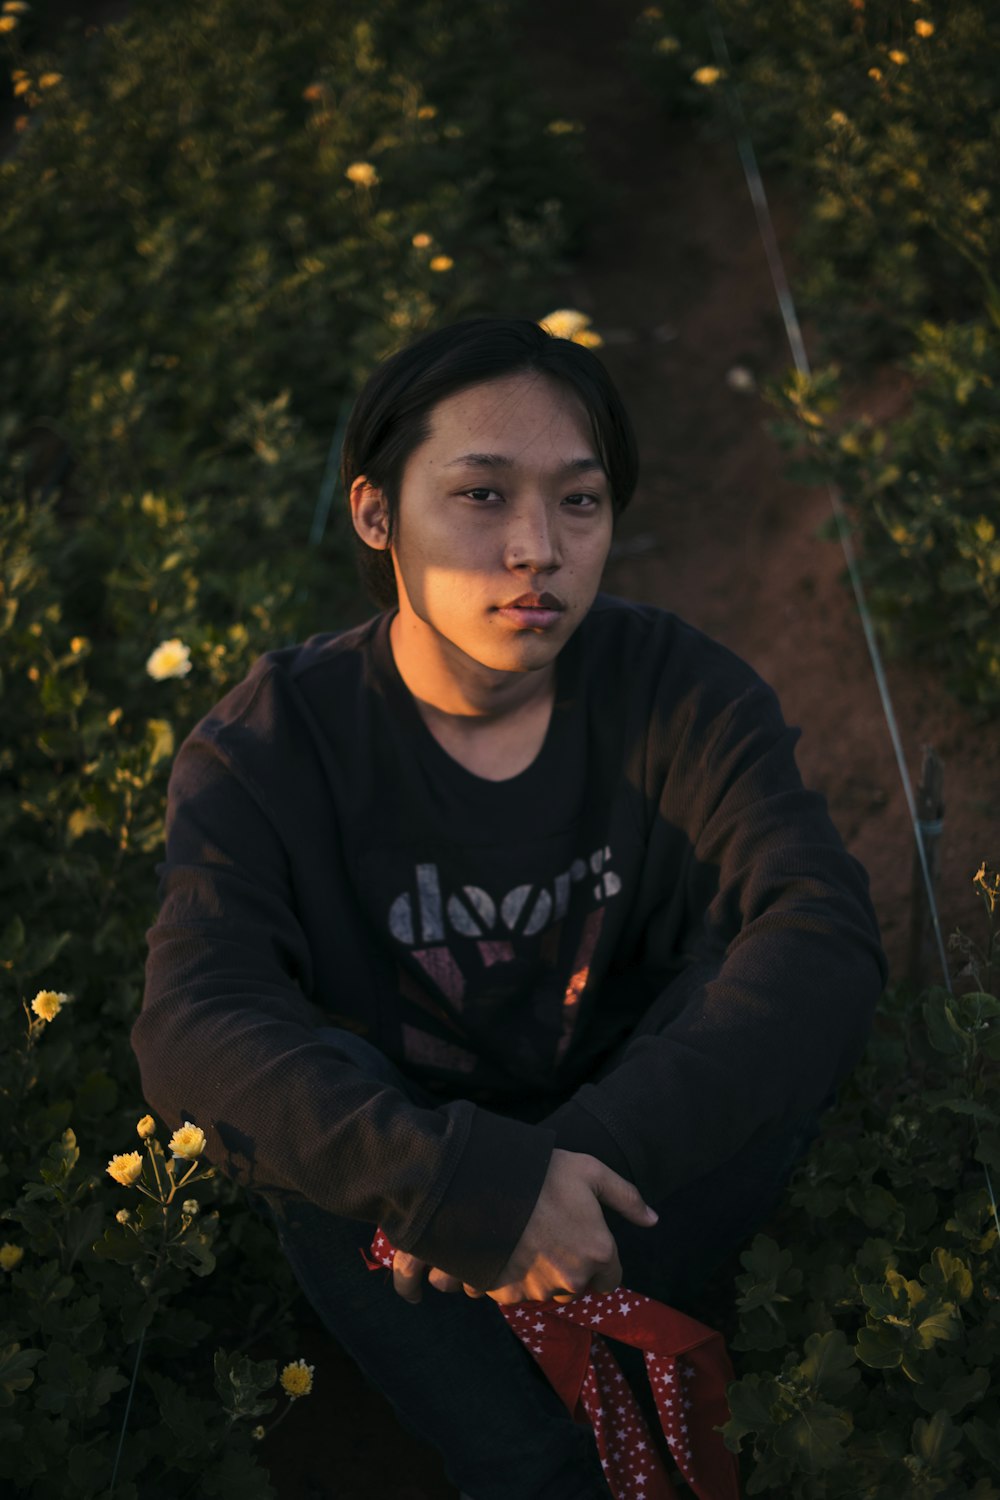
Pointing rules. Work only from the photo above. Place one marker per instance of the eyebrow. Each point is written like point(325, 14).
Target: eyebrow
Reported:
point(502, 461)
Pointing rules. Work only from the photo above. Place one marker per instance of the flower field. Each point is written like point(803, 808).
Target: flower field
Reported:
point(214, 218)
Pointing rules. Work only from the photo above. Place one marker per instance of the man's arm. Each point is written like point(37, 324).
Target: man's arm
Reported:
point(227, 1039)
point(782, 921)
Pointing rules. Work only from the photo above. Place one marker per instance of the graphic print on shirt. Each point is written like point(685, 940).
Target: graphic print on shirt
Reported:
point(499, 965)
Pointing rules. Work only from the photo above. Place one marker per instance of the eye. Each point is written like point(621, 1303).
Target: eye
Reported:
point(589, 501)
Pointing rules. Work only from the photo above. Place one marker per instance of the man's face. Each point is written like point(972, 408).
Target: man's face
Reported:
point(506, 497)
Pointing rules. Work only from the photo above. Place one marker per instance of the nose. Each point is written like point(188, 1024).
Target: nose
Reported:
point(531, 540)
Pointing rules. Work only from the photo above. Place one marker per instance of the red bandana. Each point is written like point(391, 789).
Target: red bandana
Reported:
point(688, 1369)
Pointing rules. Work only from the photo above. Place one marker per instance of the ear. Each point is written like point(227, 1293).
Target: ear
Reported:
point(370, 513)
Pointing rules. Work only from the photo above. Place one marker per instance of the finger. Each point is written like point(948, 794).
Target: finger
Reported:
point(407, 1275)
point(471, 1291)
point(624, 1197)
point(443, 1282)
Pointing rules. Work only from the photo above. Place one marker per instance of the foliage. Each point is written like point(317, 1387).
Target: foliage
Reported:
point(925, 499)
point(883, 119)
point(869, 1339)
point(216, 217)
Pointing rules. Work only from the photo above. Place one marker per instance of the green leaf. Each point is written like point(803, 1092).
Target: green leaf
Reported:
point(876, 1207)
point(11, 943)
point(949, 1273)
point(754, 1406)
point(881, 1348)
point(985, 1438)
point(944, 1324)
point(814, 1437)
point(829, 1365)
point(159, 741)
point(17, 1370)
point(935, 1439)
point(60, 1159)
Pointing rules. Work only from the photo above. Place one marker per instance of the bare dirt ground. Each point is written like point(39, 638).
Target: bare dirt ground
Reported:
point(676, 280)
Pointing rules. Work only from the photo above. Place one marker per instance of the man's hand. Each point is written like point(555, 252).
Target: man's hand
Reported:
point(566, 1248)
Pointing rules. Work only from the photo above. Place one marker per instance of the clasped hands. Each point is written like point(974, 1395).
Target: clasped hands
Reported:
point(566, 1248)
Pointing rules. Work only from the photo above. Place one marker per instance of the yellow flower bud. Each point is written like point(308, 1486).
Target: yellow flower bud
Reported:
point(10, 1256)
point(441, 263)
point(187, 1142)
point(420, 241)
point(924, 28)
point(146, 1127)
point(297, 1379)
point(49, 80)
point(706, 76)
point(899, 58)
point(48, 1003)
point(426, 112)
point(126, 1168)
point(170, 659)
point(363, 173)
point(7, 23)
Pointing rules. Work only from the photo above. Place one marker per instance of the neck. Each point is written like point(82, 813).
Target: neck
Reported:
point(447, 683)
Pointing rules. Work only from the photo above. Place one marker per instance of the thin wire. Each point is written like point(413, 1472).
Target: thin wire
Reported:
point(128, 1408)
point(786, 303)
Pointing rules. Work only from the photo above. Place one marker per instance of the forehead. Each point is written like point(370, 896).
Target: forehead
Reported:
point(513, 414)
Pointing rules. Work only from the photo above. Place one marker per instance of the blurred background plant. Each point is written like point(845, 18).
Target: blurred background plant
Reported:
point(882, 119)
point(868, 1333)
point(214, 219)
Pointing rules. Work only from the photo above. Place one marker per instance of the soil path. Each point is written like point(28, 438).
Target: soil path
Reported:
point(675, 278)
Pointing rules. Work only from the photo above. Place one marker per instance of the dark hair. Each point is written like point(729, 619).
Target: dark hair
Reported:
point(391, 416)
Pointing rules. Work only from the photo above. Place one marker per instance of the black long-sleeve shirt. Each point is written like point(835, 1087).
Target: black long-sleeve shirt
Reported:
point(329, 864)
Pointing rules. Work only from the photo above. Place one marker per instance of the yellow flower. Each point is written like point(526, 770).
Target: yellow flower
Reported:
point(297, 1379)
point(21, 87)
point(15, 7)
point(170, 659)
point(10, 1256)
point(126, 1168)
point(985, 529)
point(314, 91)
point(188, 1141)
point(7, 23)
point(48, 1003)
point(257, 1433)
point(146, 1127)
point(706, 76)
point(441, 263)
point(839, 118)
point(875, 73)
point(363, 173)
point(49, 80)
point(77, 644)
point(588, 337)
point(123, 1216)
point(924, 28)
point(190, 1206)
point(420, 241)
point(988, 882)
point(426, 112)
point(899, 58)
point(564, 323)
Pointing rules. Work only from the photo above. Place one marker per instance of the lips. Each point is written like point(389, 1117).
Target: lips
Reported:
point(535, 601)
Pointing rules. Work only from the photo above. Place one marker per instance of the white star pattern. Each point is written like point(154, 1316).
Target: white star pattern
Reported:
point(563, 1337)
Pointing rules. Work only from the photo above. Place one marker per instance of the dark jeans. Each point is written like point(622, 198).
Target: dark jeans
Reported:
point(452, 1369)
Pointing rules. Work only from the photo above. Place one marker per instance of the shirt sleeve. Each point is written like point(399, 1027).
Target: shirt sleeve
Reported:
point(785, 964)
point(227, 1039)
